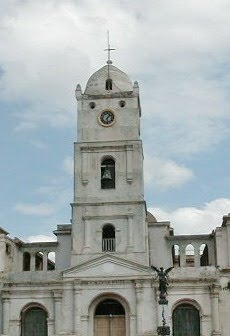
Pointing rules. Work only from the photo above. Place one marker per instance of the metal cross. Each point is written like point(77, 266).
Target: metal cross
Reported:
point(108, 49)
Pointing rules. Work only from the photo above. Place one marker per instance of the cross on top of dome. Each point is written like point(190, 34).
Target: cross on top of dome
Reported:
point(108, 49)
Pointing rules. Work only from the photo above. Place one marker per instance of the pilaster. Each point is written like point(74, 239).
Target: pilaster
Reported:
point(77, 308)
point(5, 313)
point(214, 294)
point(57, 311)
point(139, 304)
point(67, 308)
point(50, 325)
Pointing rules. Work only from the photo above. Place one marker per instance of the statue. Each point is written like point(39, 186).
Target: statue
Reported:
point(163, 282)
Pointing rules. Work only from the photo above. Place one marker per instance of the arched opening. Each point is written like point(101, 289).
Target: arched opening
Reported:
point(109, 84)
point(109, 319)
point(39, 261)
point(190, 255)
point(186, 320)
point(108, 238)
point(26, 261)
point(108, 174)
point(51, 261)
point(176, 255)
point(204, 259)
point(34, 322)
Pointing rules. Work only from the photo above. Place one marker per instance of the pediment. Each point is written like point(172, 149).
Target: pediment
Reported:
point(108, 266)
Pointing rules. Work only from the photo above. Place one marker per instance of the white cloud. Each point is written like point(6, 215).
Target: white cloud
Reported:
point(39, 238)
point(41, 209)
point(165, 173)
point(178, 50)
point(193, 220)
point(68, 165)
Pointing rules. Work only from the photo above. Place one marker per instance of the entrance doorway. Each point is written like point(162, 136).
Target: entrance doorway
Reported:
point(109, 319)
point(34, 322)
point(186, 320)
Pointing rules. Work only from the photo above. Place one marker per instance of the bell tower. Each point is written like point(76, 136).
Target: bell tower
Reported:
point(108, 211)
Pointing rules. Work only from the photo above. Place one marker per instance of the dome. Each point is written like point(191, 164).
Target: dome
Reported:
point(96, 84)
point(151, 218)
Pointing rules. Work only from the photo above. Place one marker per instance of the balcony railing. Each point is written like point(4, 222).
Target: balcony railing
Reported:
point(108, 244)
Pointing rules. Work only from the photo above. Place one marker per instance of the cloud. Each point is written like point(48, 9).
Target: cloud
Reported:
point(39, 238)
point(68, 165)
point(41, 209)
point(165, 173)
point(195, 220)
point(180, 53)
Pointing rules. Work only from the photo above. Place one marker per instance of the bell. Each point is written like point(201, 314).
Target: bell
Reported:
point(107, 174)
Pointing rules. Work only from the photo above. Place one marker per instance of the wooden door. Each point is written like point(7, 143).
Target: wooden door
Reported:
point(186, 321)
point(109, 325)
point(34, 322)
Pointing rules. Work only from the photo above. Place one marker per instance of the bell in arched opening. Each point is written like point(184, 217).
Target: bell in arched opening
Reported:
point(107, 174)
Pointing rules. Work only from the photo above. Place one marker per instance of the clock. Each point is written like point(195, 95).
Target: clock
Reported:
point(107, 118)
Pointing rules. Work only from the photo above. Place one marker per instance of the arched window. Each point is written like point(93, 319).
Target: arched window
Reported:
point(109, 84)
point(34, 322)
point(51, 261)
point(108, 174)
point(176, 255)
point(186, 320)
point(190, 253)
point(39, 261)
point(108, 238)
point(204, 259)
point(26, 261)
point(109, 318)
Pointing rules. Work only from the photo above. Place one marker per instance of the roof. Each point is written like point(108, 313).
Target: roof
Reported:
point(120, 81)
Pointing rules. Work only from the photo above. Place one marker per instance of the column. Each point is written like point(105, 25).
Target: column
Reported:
point(32, 261)
point(6, 315)
point(214, 293)
point(57, 311)
point(139, 305)
point(196, 255)
point(67, 308)
point(182, 256)
point(77, 308)
point(45, 260)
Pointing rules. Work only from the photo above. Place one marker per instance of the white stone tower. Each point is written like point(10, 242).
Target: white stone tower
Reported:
point(109, 212)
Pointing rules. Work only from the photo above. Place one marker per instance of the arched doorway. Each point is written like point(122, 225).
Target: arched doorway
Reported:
point(34, 322)
point(109, 319)
point(186, 320)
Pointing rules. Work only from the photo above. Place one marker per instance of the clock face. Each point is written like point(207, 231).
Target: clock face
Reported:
point(107, 118)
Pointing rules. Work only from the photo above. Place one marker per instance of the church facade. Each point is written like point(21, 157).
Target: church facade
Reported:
point(102, 283)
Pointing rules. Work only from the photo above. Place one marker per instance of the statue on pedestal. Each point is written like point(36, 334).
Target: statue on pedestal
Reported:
point(163, 282)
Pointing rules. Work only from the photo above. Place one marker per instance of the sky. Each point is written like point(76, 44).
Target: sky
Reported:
point(177, 50)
